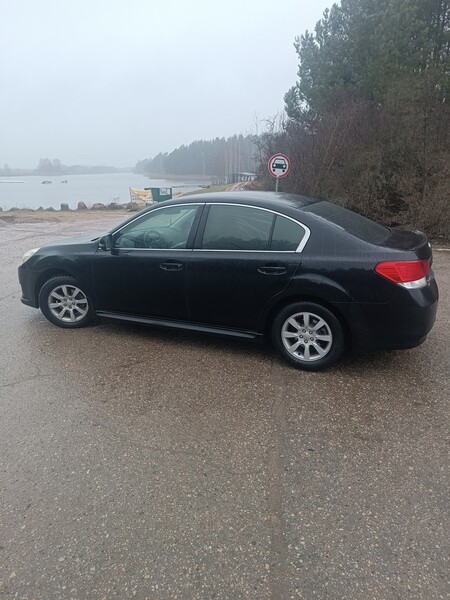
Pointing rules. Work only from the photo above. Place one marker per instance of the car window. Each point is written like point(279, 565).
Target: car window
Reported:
point(357, 225)
point(286, 235)
point(237, 228)
point(166, 228)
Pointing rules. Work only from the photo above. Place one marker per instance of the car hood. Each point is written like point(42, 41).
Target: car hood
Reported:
point(78, 240)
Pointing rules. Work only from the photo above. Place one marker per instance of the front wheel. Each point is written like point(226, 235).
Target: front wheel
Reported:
point(308, 335)
point(64, 303)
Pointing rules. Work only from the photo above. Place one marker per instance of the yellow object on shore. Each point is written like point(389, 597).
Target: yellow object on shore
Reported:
point(141, 195)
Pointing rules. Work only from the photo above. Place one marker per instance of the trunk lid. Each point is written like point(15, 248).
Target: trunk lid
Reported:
point(409, 241)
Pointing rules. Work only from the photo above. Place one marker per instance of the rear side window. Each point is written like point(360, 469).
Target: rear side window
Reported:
point(287, 235)
point(237, 228)
point(355, 224)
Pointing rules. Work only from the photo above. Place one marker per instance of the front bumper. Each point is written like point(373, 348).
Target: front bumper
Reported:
point(28, 280)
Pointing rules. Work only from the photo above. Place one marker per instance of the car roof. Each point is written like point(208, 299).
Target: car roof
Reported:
point(314, 211)
point(321, 211)
point(271, 200)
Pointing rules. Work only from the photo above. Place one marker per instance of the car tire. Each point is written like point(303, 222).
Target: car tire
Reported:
point(308, 335)
point(64, 303)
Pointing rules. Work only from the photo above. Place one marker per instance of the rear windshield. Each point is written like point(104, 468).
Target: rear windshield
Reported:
point(355, 224)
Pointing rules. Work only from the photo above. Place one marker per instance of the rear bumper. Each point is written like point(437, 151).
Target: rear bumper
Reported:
point(402, 323)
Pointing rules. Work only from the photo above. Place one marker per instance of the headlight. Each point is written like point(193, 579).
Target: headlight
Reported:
point(29, 254)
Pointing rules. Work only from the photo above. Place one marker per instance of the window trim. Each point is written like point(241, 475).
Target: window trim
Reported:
point(298, 250)
point(192, 233)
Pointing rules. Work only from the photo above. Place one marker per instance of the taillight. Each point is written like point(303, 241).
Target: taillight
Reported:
point(409, 274)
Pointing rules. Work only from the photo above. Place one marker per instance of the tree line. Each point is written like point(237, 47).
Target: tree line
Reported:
point(47, 166)
point(55, 167)
point(367, 124)
point(216, 158)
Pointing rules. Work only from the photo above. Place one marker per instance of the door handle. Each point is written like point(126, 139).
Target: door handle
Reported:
point(272, 270)
point(171, 266)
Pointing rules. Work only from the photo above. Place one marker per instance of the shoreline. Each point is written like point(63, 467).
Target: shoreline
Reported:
point(97, 211)
point(88, 189)
point(17, 217)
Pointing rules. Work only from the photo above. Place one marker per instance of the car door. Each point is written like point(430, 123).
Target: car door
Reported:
point(145, 271)
point(239, 263)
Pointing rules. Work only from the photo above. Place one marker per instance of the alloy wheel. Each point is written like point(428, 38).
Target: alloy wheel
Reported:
point(307, 336)
point(68, 303)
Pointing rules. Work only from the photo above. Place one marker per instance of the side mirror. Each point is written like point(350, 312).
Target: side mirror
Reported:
point(105, 242)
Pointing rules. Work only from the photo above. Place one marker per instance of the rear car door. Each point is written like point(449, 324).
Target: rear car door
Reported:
point(243, 256)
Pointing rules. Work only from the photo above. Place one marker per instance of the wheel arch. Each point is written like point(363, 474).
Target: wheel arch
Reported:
point(282, 302)
point(45, 276)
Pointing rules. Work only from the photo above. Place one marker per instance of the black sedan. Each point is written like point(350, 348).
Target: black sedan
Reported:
point(312, 276)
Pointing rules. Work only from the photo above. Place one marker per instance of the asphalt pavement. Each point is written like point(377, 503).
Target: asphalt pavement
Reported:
point(151, 464)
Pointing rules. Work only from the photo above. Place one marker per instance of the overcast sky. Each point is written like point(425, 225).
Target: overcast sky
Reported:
point(115, 81)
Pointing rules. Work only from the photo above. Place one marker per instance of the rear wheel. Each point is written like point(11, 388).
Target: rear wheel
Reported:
point(308, 335)
point(64, 303)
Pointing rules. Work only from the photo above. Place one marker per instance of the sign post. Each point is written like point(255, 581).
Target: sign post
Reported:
point(279, 166)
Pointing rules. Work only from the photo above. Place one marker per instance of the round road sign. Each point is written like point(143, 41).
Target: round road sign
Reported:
point(279, 165)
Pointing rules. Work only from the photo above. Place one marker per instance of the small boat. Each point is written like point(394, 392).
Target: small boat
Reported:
point(46, 181)
point(64, 181)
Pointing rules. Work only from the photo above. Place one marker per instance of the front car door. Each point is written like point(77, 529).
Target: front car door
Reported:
point(145, 272)
point(243, 256)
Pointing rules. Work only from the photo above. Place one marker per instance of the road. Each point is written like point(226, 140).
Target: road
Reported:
point(149, 464)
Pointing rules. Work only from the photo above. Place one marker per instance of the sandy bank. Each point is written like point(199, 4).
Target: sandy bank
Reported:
point(31, 216)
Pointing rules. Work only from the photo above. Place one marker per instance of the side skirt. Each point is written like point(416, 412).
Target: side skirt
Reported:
point(179, 325)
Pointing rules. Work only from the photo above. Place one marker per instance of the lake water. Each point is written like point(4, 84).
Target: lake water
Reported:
point(104, 188)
